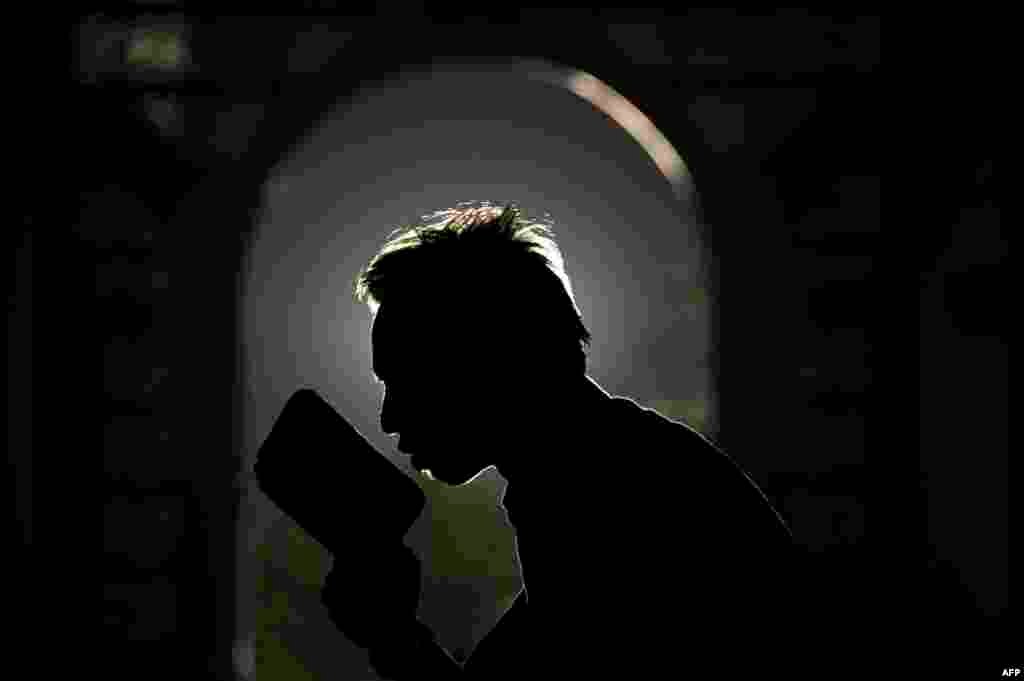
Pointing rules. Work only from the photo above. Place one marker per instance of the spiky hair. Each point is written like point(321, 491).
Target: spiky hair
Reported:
point(480, 252)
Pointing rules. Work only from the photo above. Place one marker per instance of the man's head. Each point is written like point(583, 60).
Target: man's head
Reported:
point(476, 336)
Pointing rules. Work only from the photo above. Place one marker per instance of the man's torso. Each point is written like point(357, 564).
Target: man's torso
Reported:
point(668, 567)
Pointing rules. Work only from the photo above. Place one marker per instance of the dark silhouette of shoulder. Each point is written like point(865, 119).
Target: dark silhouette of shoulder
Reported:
point(694, 564)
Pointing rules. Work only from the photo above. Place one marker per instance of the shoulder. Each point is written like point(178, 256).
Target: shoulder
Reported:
point(707, 479)
point(629, 413)
point(674, 446)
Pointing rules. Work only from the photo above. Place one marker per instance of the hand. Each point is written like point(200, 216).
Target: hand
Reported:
point(372, 593)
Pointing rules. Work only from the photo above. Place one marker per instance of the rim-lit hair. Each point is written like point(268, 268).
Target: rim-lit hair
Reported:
point(487, 254)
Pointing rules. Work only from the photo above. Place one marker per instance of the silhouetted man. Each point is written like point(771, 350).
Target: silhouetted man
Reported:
point(646, 552)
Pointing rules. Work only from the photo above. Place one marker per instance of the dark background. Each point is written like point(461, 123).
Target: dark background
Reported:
point(830, 337)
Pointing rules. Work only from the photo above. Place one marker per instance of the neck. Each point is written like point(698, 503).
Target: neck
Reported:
point(539, 470)
point(540, 518)
point(542, 494)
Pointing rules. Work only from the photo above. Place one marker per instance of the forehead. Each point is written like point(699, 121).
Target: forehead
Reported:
point(405, 335)
point(414, 324)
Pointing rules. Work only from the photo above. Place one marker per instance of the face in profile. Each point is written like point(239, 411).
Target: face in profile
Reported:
point(447, 396)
